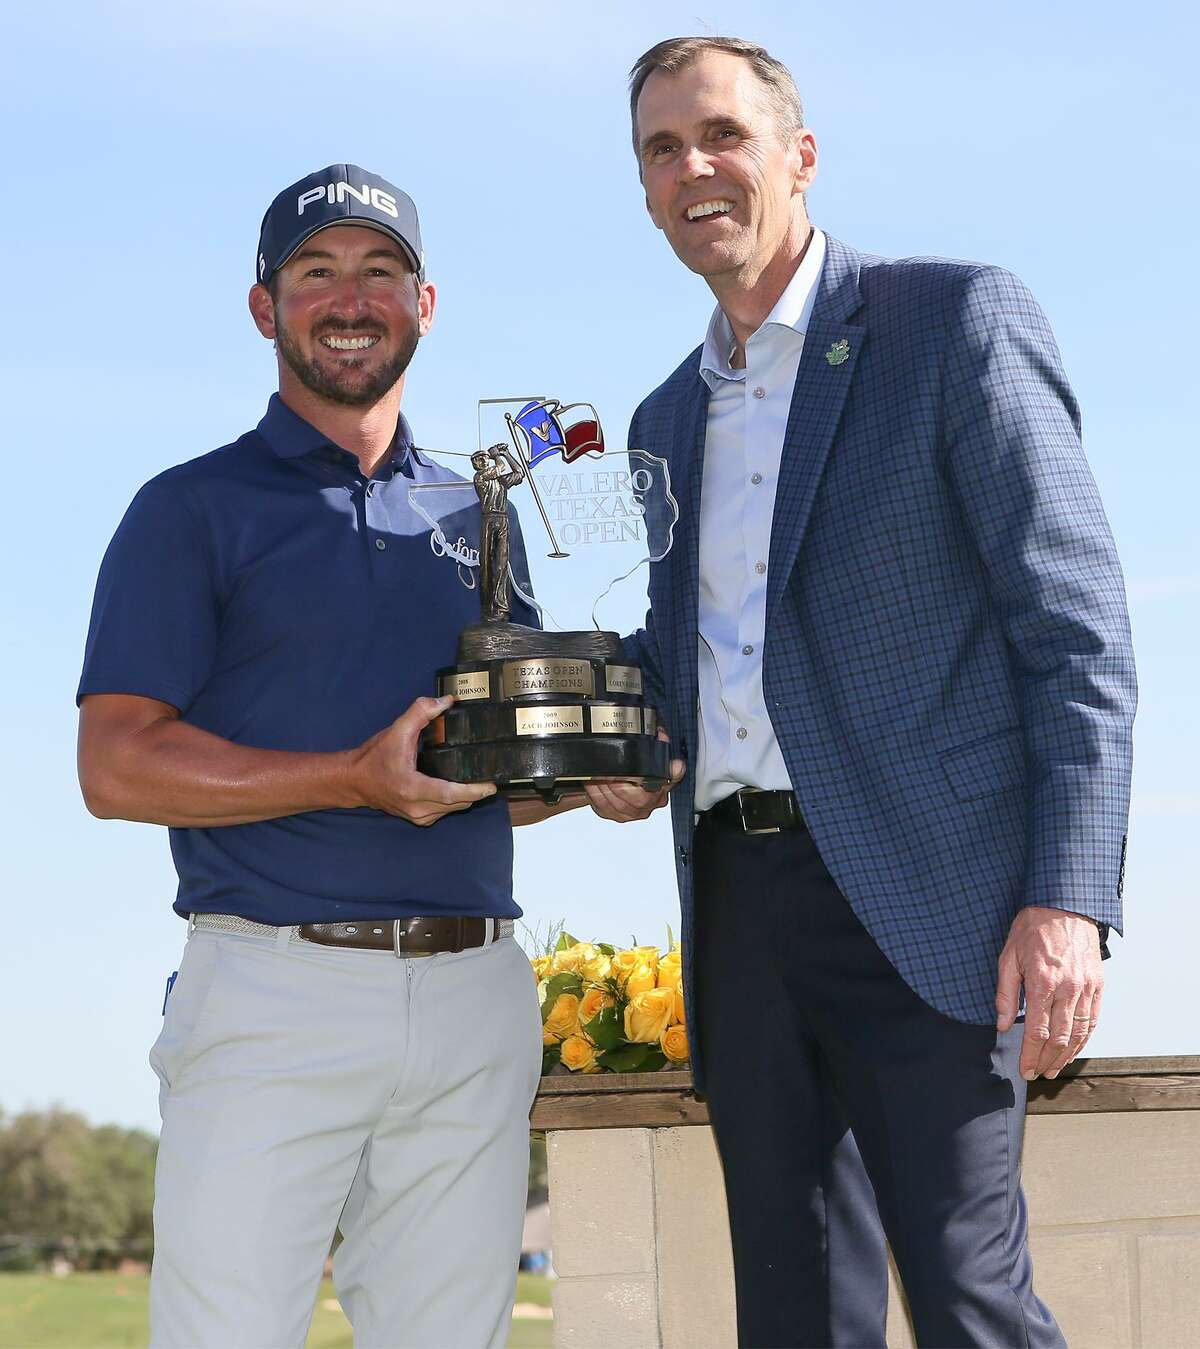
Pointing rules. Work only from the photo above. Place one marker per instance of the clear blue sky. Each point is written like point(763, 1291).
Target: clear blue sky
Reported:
point(145, 141)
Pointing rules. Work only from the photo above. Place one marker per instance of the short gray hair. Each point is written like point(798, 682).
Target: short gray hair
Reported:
point(677, 53)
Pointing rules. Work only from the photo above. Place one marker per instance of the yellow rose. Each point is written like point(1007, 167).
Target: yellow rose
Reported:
point(568, 960)
point(597, 968)
point(579, 1054)
point(548, 1037)
point(541, 967)
point(563, 1018)
point(595, 1000)
point(623, 965)
point(674, 1043)
point(670, 970)
point(648, 1015)
point(641, 979)
point(648, 955)
point(677, 1012)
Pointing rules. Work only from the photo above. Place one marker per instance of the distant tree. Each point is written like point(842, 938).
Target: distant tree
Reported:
point(539, 1187)
point(66, 1186)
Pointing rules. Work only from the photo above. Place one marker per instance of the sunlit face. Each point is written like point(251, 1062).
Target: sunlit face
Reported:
point(721, 181)
point(347, 313)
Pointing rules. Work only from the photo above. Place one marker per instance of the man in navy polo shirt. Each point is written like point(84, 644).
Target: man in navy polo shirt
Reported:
point(353, 1038)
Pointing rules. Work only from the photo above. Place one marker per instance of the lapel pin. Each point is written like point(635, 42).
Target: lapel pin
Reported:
point(838, 353)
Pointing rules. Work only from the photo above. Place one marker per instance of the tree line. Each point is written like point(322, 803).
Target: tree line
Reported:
point(73, 1190)
point(84, 1193)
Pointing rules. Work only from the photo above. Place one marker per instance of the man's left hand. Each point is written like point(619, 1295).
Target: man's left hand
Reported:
point(1056, 955)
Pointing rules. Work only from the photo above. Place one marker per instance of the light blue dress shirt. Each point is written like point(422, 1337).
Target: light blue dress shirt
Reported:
point(747, 416)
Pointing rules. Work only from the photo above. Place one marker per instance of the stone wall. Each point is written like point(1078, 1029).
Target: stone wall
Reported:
point(641, 1242)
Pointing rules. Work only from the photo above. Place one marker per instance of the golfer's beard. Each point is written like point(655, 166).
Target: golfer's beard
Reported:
point(345, 388)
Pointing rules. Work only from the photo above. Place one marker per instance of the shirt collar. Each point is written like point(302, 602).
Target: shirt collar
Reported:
point(289, 436)
point(792, 310)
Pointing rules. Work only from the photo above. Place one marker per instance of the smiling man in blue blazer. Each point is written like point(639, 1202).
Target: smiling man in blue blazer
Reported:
point(891, 641)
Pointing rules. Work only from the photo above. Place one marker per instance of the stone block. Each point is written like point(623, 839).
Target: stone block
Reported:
point(601, 1201)
point(697, 1307)
point(1084, 1278)
point(1169, 1265)
point(899, 1332)
point(600, 1313)
point(1103, 1168)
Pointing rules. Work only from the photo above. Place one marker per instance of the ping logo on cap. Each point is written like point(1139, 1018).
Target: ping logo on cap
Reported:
point(336, 194)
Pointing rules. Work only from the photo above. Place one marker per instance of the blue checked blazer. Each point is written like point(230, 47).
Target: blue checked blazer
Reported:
point(947, 664)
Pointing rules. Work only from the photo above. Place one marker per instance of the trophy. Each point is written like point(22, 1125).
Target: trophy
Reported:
point(538, 710)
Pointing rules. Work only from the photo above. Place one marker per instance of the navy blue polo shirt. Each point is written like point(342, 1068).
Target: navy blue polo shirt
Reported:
point(281, 600)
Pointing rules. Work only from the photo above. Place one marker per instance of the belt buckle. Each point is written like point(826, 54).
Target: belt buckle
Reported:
point(404, 955)
point(771, 829)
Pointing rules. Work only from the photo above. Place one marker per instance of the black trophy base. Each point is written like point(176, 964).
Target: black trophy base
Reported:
point(550, 769)
point(541, 714)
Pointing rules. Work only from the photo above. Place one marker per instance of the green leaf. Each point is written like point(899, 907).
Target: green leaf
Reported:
point(551, 1055)
point(561, 983)
point(670, 938)
point(565, 940)
point(605, 1029)
point(628, 1059)
point(607, 950)
point(653, 1061)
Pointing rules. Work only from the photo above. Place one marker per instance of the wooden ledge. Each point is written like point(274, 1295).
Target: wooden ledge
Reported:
point(665, 1099)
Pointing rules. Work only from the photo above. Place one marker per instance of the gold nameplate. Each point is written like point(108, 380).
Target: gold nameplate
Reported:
point(467, 687)
point(548, 674)
point(623, 679)
point(609, 719)
point(549, 720)
point(651, 721)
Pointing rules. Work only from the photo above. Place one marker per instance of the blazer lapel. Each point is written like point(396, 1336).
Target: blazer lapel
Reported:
point(827, 363)
point(687, 475)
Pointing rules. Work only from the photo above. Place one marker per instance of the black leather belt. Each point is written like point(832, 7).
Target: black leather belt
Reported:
point(753, 811)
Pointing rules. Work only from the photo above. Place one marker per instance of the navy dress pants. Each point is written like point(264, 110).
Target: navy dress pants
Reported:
point(807, 1032)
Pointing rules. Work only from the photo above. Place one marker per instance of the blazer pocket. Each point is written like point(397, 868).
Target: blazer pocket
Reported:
point(985, 767)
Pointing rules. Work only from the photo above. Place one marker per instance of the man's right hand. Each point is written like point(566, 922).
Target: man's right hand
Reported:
point(383, 771)
point(625, 802)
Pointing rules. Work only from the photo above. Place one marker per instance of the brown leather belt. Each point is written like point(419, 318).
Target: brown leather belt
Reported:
point(754, 811)
point(404, 936)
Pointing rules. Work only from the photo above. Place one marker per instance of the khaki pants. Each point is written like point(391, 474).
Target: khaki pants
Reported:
point(306, 1088)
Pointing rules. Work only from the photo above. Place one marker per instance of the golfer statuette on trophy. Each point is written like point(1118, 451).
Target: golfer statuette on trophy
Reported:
point(541, 712)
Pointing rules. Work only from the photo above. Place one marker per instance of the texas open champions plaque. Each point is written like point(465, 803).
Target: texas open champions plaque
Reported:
point(542, 711)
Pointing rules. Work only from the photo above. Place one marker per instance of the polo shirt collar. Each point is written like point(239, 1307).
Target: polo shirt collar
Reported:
point(792, 310)
point(289, 436)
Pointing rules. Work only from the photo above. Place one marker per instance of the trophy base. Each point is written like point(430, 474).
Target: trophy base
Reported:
point(512, 641)
point(542, 714)
point(550, 769)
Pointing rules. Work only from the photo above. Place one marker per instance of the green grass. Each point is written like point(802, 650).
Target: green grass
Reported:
point(108, 1311)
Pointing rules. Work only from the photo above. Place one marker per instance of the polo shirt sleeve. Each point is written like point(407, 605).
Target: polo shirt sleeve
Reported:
point(153, 630)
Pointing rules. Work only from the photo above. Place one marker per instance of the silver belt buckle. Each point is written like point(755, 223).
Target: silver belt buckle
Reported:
point(772, 829)
point(405, 955)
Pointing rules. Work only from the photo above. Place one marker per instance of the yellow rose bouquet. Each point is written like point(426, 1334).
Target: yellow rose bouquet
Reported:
point(611, 1010)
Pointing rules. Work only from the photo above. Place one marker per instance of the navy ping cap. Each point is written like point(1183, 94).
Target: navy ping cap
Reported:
point(342, 194)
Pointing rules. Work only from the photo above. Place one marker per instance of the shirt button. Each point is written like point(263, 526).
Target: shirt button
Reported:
point(380, 544)
point(756, 478)
point(760, 392)
point(760, 567)
point(747, 650)
point(742, 733)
